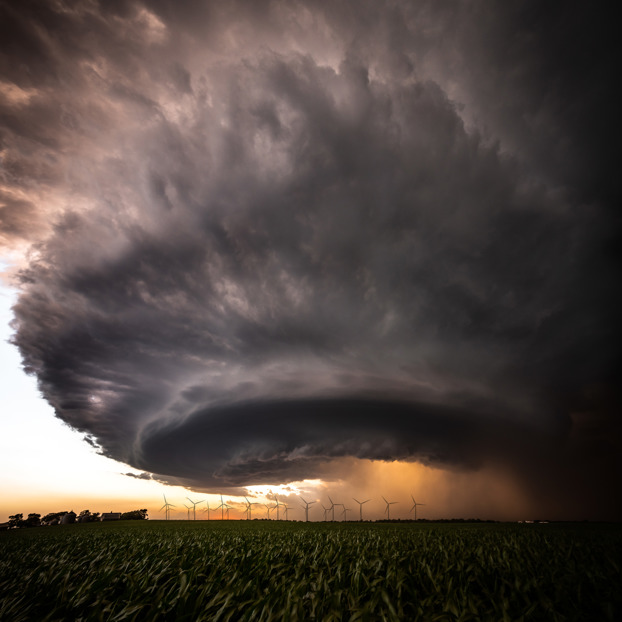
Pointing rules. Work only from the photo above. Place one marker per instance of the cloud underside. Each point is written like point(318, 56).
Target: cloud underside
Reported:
point(254, 253)
point(261, 441)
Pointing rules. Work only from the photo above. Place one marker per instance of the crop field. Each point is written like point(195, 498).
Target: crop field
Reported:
point(269, 570)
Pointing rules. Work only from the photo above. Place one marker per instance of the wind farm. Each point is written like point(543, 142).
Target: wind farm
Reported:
point(301, 509)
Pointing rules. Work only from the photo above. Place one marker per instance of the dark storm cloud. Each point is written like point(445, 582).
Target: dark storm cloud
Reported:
point(287, 235)
point(288, 437)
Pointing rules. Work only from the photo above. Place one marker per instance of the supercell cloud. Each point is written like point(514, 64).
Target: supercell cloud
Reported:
point(264, 236)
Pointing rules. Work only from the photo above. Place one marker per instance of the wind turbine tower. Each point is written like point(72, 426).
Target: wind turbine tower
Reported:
point(249, 504)
point(306, 507)
point(332, 508)
point(326, 510)
point(361, 507)
point(167, 508)
point(194, 508)
point(222, 507)
point(414, 507)
point(388, 510)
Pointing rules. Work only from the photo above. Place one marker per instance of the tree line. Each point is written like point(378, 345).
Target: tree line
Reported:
point(54, 518)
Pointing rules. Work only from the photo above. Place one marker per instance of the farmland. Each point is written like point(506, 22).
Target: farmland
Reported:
point(269, 570)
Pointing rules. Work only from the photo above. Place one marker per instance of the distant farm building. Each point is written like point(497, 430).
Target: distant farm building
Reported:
point(110, 516)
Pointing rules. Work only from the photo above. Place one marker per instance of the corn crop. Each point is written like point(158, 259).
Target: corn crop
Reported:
point(270, 570)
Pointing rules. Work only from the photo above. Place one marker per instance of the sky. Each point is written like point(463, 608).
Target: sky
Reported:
point(346, 249)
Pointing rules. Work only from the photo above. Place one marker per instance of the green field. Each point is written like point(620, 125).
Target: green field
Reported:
point(260, 570)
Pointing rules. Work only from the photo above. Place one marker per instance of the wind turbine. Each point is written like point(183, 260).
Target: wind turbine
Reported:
point(207, 509)
point(414, 507)
point(361, 507)
point(189, 508)
point(306, 507)
point(389, 504)
point(332, 508)
point(345, 512)
point(222, 507)
point(194, 508)
point(286, 510)
point(326, 510)
point(166, 507)
point(269, 507)
point(248, 509)
point(277, 507)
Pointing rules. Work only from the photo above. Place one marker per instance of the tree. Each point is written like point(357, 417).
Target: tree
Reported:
point(134, 515)
point(52, 516)
point(17, 520)
point(33, 520)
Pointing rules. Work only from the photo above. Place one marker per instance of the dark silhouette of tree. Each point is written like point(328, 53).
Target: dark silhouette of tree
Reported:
point(134, 515)
point(17, 520)
point(52, 516)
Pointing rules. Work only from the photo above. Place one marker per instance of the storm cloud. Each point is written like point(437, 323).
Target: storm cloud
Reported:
point(265, 236)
